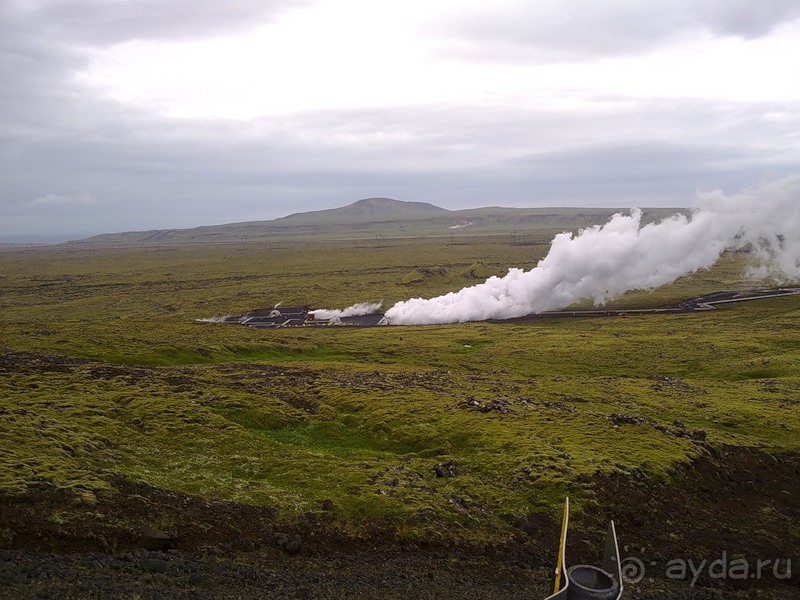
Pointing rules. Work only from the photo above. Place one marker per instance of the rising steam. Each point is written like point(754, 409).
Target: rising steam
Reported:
point(217, 319)
point(357, 310)
point(603, 262)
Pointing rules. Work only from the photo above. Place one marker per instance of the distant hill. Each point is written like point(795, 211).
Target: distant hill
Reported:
point(374, 210)
point(382, 217)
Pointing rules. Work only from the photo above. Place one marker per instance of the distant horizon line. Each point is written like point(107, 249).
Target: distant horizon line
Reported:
point(45, 239)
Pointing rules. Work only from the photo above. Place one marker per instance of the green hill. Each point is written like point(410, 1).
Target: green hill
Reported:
point(384, 217)
point(375, 210)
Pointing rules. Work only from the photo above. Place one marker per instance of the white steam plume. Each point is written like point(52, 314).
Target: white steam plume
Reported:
point(216, 319)
point(605, 261)
point(357, 310)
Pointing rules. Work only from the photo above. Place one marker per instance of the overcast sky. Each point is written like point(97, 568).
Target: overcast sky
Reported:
point(120, 115)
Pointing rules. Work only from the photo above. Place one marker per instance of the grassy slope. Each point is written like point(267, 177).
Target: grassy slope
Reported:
point(369, 219)
point(363, 417)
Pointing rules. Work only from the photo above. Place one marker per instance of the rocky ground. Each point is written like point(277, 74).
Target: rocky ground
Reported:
point(737, 501)
point(382, 575)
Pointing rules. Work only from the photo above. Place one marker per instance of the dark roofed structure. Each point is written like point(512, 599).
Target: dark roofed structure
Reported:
point(296, 316)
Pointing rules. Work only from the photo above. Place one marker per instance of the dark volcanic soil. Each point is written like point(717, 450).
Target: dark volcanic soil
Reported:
point(739, 502)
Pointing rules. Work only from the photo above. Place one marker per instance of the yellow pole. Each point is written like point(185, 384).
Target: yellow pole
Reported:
point(561, 547)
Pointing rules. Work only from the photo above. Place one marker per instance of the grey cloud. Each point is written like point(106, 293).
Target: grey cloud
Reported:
point(158, 174)
point(107, 22)
point(31, 66)
point(586, 29)
point(601, 162)
point(638, 172)
point(744, 18)
point(55, 200)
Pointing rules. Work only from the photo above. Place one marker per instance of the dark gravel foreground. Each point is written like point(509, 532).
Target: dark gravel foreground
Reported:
point(734, 500)
point(176, 575)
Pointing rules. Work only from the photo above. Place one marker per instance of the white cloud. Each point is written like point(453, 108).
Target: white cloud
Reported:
point(354, 55)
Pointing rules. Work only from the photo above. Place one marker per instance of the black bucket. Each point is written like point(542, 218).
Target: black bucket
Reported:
point(591, 583)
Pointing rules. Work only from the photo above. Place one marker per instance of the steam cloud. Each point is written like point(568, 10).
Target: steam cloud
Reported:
point(605, 261)
point(357, 310)
point(217, 319)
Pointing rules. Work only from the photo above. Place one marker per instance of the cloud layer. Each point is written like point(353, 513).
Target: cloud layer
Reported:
point(583, 29)
point(450, 103)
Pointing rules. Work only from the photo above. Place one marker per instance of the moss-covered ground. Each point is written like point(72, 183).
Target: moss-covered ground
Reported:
point(445, 431)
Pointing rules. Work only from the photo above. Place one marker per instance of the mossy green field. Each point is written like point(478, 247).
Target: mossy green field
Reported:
point(106, 373)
